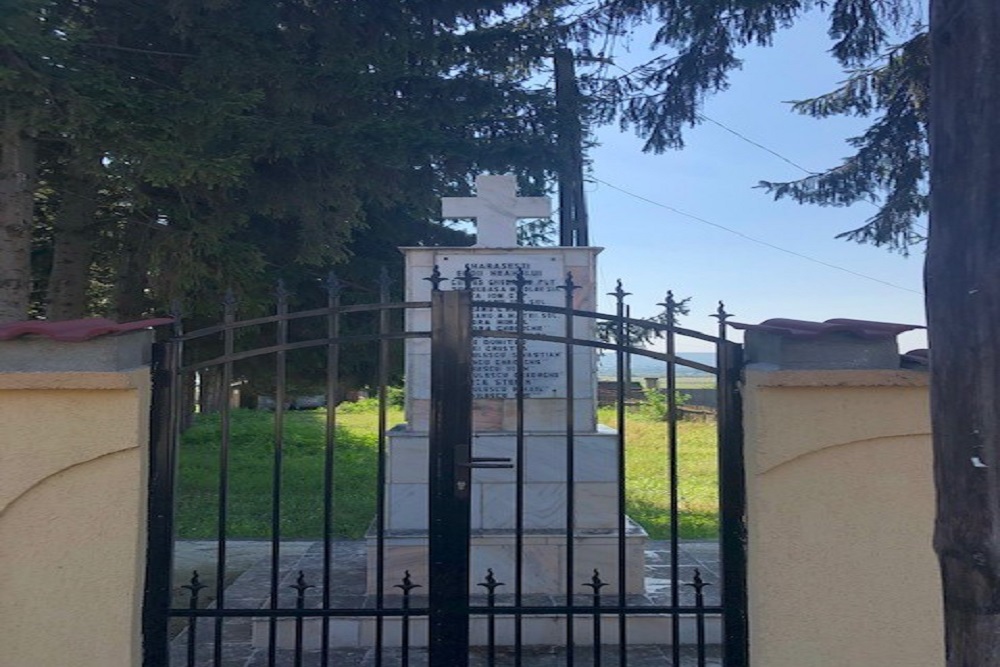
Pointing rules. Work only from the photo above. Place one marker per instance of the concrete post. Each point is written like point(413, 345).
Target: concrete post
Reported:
point(840, 512)
point(73, 436)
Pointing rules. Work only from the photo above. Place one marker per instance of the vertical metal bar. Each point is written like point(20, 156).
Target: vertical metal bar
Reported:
point(406, 587)
point(195, 587)
point(280, 371)
point(229, 317)
point(732, 501)
point(383, 379)
point(596, 585)
point(163, 438)
point(519, 465)
point(491, 631)
point(300, 587)
point(699, 604)
point(405, 635)
point(568, 348)
point(333, 291)
point(622, 362)
point(491, 585)
point(450, 477)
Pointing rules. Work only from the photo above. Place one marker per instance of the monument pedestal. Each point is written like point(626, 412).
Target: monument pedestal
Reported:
point(545, 537)
point(547, 398)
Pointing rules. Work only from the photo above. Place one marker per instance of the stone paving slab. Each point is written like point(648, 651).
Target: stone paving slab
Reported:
point(250, 589)
point(636, 656)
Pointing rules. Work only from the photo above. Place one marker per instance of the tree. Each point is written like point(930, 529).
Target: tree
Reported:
point(223, 144)
point(890, 167)
point(699, 46)
point(963, 310)
point(23, 87)
point(945, 84)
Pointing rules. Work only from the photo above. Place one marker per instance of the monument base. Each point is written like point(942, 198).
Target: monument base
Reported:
point(545, 560)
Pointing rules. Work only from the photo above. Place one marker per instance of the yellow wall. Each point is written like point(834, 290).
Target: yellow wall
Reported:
point(840, 500)
point(840, 511)
point(72, 516)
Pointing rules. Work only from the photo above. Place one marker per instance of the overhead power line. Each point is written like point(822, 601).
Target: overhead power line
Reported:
point(764, 148)
point(758, 145)
point(753, 239)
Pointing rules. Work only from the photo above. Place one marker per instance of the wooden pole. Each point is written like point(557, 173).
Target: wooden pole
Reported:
point(963, 306)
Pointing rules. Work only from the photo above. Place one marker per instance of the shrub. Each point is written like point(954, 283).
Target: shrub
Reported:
point(654, 404)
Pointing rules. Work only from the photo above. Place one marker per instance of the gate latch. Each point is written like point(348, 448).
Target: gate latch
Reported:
point(488, 462)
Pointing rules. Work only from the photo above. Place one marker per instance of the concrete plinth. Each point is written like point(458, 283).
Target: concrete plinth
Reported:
point(494, 512)
point(545, 560)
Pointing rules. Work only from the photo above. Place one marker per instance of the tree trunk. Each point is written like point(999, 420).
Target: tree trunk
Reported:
point(963, 304)
point(73, 248)
point(212, 391)
point(131, 302)
point(17, 191)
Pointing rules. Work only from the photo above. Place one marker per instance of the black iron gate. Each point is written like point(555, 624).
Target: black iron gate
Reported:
point(282, 573)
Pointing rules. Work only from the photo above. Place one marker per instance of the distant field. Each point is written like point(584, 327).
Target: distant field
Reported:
point(683, 382)
point(706, 382)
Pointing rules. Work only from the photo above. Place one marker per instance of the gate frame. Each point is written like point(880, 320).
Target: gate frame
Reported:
point(451, 314)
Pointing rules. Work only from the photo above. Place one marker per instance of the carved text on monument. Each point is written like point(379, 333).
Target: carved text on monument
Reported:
point(494, 371)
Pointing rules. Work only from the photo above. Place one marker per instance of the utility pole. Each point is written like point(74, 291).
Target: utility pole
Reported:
point(573, 224)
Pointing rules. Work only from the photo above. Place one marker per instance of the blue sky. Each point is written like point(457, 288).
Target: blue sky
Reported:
point(653, 249)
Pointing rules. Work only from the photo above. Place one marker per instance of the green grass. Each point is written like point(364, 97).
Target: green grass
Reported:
point(695, 382)
point(647, 491)
point(683, 381)
point(251, 465)
point(250, 471)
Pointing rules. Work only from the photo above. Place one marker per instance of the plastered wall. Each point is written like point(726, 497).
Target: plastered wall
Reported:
point(840, 518)
point(72, 512)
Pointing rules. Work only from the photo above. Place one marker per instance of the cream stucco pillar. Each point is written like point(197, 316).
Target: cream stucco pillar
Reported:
point(840, 517)
point(73, 434)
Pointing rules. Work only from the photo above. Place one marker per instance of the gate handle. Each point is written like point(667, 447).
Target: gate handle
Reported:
point(488, 462)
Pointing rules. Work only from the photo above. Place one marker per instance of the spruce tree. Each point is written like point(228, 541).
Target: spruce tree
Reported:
point(943, 86)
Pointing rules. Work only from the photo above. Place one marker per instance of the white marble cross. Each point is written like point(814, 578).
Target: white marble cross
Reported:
point(496, 208)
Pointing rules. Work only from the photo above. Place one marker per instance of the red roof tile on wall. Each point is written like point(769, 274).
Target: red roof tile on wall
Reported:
point(76, 331)
point(807, 329)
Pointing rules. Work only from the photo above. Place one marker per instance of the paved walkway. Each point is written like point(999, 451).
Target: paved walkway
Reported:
point(249, 572)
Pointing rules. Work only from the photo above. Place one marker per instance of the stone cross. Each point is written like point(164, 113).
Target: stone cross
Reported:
point(496, 208)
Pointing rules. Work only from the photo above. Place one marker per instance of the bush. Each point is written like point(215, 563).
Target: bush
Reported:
point(654, 404)
point(393, 399)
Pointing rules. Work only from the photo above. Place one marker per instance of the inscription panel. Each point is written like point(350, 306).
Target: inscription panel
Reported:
point(494, 370)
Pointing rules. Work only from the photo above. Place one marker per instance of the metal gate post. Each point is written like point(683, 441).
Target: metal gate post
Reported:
point(159, 552)
point(732, 505)
point(450, 435)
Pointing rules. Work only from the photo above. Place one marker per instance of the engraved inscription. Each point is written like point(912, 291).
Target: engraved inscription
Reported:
point(495, 359)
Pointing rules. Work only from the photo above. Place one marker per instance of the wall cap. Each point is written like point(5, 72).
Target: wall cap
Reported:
point(40, 354)
point(765, 377)
point(69, 380)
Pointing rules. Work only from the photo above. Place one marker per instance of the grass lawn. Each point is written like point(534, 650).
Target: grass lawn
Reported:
point(647, 491)
point(251, 465)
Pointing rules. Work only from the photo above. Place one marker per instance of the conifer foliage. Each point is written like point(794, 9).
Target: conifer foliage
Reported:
point(161, 150)
point(698, 45)
point(933, 147)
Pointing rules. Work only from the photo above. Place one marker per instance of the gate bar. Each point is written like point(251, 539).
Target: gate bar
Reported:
point(732, 506)
point(450, 477)
point(160, 513)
